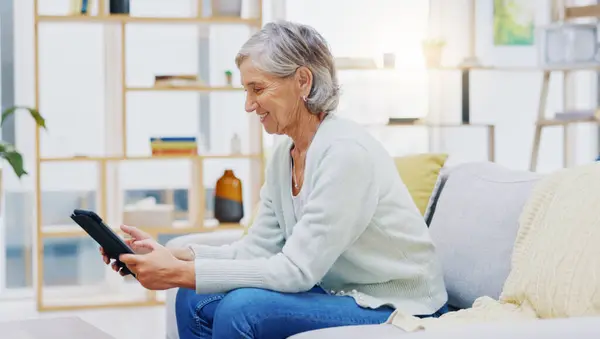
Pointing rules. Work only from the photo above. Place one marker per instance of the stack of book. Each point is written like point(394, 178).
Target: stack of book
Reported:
point(177, 80)
point(174, 146)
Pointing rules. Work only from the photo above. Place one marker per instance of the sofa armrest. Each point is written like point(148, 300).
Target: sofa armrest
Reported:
point(216, 238)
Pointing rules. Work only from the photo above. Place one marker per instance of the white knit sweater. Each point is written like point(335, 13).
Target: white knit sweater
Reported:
point(360, 233)
point(555, 267)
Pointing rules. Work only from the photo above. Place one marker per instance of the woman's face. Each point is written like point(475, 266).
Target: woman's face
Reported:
point(278, 102)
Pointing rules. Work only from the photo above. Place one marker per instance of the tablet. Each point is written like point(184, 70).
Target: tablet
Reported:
point(112, 244)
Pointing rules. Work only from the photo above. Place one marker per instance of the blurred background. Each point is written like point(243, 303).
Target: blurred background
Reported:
point(145, 113)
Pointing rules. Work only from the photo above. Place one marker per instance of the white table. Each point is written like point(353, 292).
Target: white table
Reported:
point(67, 327)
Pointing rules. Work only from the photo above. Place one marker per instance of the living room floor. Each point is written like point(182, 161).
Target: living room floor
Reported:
point(121, 323)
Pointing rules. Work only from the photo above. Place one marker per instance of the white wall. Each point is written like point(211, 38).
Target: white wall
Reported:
point(507, 99)
point(370, 28)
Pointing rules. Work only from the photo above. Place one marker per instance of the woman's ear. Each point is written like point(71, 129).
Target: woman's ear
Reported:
point(304, 78)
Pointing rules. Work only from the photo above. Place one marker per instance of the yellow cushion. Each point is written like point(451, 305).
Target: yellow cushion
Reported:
point(420, 174)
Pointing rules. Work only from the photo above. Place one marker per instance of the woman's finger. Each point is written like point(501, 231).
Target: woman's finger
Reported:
point(134, 232)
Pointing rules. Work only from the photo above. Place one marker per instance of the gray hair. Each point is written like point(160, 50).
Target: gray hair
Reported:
point(280, 48)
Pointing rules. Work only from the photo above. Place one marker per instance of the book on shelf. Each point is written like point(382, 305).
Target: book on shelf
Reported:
point(177, 81)
point(175, 152)
point(578, 115)
point(81, 7)
point(174, 145)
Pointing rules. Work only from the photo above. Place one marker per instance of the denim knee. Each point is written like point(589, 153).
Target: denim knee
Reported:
point(183, 307)
point(239, 313)
point(195, 313)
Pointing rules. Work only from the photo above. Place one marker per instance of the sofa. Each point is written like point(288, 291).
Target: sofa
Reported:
point(473, 215)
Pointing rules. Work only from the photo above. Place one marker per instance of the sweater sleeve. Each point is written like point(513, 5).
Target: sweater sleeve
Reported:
point(337, 211)
point(264, 238)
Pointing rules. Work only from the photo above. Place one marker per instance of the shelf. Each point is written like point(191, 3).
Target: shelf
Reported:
point(115, 18)
point(59, 298)
point(582, 67)
point(185, 89)
point(562, 122)
point(73, 230)
point(574, 12)
point(437, 124)
point(150, 157)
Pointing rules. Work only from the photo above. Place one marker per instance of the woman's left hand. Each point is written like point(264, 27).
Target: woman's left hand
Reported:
point(156, 270)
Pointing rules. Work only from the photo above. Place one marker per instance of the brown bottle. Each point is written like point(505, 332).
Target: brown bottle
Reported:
point(229, 207)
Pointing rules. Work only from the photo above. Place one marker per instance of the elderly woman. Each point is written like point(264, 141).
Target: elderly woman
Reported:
point(337, 239)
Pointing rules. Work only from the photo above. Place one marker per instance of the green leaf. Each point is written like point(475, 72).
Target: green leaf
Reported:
point(39, 120)
point(14, 158)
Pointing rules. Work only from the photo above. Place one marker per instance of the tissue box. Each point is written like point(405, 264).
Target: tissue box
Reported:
point(159, 215)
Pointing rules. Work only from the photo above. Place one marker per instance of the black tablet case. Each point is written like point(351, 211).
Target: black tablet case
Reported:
point(112, 244)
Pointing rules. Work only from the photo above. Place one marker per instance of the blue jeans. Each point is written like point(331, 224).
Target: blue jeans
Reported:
point(256, 313)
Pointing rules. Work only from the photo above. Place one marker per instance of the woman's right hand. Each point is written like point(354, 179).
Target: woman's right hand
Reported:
point(136, 235)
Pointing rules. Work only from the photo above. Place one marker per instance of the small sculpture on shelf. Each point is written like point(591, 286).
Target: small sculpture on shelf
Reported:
point(236, 144)
point(229, 206)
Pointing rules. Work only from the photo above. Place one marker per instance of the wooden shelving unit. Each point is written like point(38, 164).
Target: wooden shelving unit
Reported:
point(117, 154)
point(567, 13)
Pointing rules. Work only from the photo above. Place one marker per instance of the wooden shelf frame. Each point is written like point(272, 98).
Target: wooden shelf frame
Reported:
point(73, 231)
point(257, 156)
point(185, 89)
point(126, 19)
point(196, 222)
point(564, 13)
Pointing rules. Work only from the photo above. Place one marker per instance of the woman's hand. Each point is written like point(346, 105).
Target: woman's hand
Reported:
point(159, 269)
point(136, 235)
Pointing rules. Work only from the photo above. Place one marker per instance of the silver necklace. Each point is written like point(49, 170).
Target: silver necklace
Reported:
point(296, 185)
point(294, 173)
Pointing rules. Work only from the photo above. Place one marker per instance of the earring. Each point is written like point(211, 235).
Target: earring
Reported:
point(304, 98)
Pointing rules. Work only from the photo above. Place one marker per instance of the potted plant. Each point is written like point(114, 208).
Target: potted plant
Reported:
point(432, 50)
point(8, 151)
point(229, 77)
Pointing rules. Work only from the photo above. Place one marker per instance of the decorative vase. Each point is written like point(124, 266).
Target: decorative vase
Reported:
point(229, 207)
point(119, 6)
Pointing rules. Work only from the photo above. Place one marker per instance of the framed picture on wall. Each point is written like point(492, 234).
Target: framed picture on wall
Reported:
point(514, 22)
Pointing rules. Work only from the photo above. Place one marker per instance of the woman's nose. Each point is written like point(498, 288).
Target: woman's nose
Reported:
point(250, 105)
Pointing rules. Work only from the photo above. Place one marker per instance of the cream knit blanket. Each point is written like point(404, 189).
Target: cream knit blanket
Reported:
point(555, 268)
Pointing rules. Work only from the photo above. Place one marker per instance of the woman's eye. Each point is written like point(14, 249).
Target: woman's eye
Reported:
point(258, 90)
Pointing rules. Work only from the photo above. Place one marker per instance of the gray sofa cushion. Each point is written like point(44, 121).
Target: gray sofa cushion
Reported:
point(474, 227)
